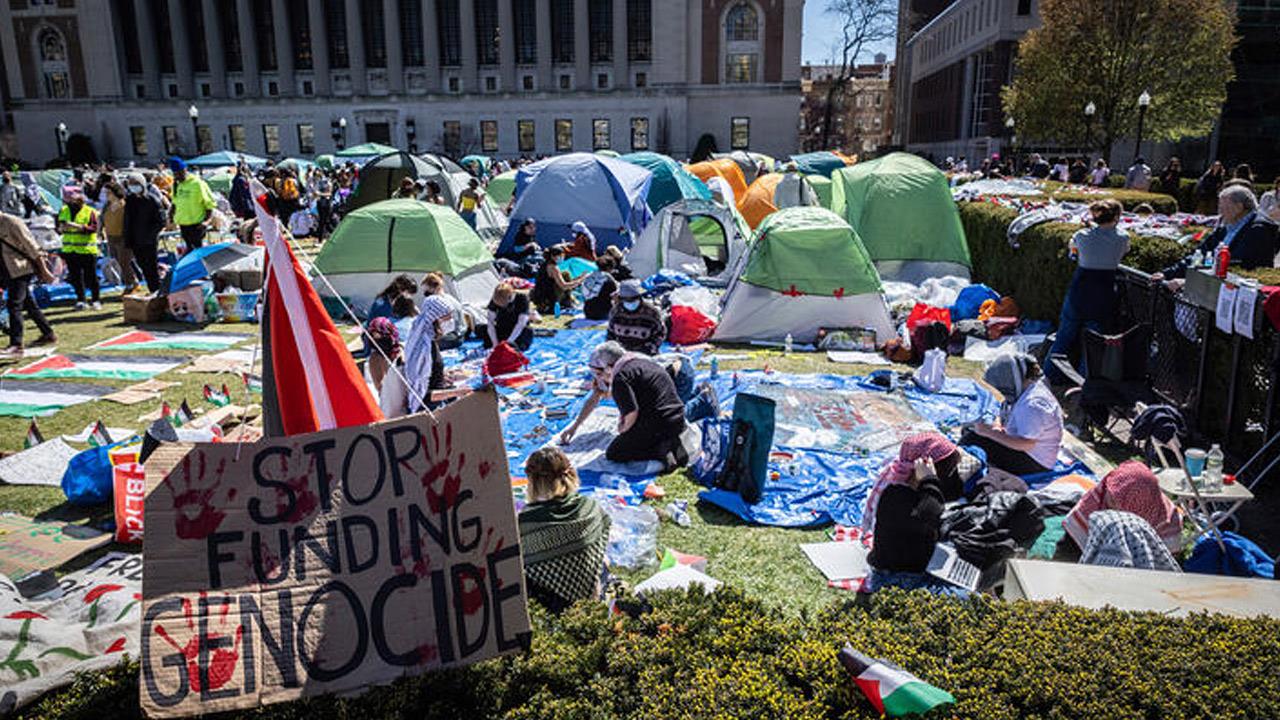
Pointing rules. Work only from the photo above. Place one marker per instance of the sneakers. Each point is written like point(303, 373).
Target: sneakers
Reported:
point(97, 305)
point(49, 339)
point(79, 305)
point(11, 352)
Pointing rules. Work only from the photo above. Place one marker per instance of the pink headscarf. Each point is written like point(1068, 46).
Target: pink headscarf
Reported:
point(72, 193)
point(1131, 487)
point(924, 445)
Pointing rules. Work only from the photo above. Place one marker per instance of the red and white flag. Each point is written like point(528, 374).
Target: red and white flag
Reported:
point(315, 383)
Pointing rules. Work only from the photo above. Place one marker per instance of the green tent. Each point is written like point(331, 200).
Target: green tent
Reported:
point(821, 185)
point(377, 242)
point(502, 187)
point(220, 181)
point(380, 178)
point(325, 161)
point(901, 206)
point(365, 150)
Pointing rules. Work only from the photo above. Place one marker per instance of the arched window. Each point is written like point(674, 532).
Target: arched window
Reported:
point(53, 64)
point(741, 43)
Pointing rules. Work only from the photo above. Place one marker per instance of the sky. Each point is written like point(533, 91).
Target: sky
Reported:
point(821, 32)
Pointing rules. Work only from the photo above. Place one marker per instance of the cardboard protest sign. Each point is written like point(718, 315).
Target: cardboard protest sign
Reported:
point(28, 545)
point(328, 562)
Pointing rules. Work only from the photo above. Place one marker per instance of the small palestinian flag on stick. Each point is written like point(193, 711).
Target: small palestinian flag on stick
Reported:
point(893, 691)
point(184, 414)
point(220, 398)
point(99, 437)
point(34, 437)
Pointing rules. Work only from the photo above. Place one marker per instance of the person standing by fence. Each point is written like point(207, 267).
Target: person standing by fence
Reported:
point(1091, 296)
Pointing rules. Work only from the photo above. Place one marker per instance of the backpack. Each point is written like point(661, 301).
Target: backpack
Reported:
point(746, 468)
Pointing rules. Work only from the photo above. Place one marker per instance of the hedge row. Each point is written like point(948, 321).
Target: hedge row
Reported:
point(726, 656)
point(1037, 272)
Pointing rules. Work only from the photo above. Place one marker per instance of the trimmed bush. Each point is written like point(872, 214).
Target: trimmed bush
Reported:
point(1037, 272)
point(726, 656)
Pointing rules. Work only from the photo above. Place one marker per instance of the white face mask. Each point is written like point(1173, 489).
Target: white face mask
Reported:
point(135, 189)
point(631, 305)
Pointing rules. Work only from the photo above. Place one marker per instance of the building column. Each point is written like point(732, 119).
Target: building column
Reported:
point(621, 68)
point(214, 44)
point(431, 45)
point(543, 30)
point(150, 53)
point(395, 53)
point(182, 61)
point(319, 45)
point(284, 48)
point(248, 49)
point(355, 51)
point(507, 44)
point(582, 44)
point(467, 29)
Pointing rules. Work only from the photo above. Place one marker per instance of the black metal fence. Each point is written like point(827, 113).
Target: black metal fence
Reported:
point(1225, 384)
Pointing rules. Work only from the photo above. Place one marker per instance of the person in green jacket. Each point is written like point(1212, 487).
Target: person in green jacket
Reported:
point(78, 223)
point(193, 201)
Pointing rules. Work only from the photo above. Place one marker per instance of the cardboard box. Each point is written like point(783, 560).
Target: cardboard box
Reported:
point(144, 308)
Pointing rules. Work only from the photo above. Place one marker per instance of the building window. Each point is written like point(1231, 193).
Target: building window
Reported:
point(271, 139)
point(454, 85)
point(273, 88)
point(741, 23)
point(600, 137)
point(335, 15)
point(639, 134)
point(741, 43)
point(53, 65)
point(138, 135)
point(525, 16)
point(373, 22)
point(452, 137)
point(123, 9)
point(527, 82)
point(600, 30)
point(171, 145)
point(740, 68)
point(564, 135)
point(489, 135)
point(173, 90)
point(642, 79)
point(206, 89)
point(239, 139)
point(525, 135)
point(308, 88)
point(486, 31)
point(449, 22)
point(140, 91)
point(306, 139)
point(413, 50)
point(602, 81)
point(265, 34)
point(204, 139)
point(562, 31)
point(740, 133)
point(639, 30)
point(164, 35)
point(239, 88)
point(229, 21)
point(490, 84)
point(300, 32)
point(566, 82)
point(197, 40)
point(1024, 7)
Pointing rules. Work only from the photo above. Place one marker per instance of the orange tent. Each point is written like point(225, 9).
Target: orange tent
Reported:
point(768, 194)
point(725, 169)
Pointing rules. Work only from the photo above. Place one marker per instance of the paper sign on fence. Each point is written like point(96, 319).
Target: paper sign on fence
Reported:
point(1246, 302)
point(1223, 318)
point(329, 562)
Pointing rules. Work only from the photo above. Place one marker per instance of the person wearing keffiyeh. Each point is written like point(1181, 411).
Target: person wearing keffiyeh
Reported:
point(424, 369)
point(1133, 488)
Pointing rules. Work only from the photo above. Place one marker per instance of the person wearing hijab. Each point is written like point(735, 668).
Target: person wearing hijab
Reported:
point(1132, 488)
point(583, 244)
point(386, 368)
point(904, 515)
point(78, 224)
point(1029, 434)
point(424, 368)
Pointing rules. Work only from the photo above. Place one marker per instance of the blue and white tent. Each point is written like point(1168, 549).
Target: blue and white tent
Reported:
point(226, 158)
point(608, 195)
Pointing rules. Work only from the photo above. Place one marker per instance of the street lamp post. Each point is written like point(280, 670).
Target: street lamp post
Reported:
point(1089, 111)
point(1144, 101)
point(60, 133)
point(411, 132)
point(1013, 143)
point(193, 112)
point(342, 133)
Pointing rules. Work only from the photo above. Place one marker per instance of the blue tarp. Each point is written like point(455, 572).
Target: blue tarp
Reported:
point(199, 263)
point(608, 195)
point(818, 163)
point(226, 158)
point(671, 182)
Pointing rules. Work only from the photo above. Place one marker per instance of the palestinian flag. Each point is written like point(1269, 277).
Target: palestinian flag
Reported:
point(143, 340)
point(220, 398)
point(34, 437)
point(99, 437)
point(893, 691)
point(37, 398)
point(183, 415)
point(101, 367)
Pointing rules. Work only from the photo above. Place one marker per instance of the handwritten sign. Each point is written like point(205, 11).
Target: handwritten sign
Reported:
point(329, 562)
point(28, 545)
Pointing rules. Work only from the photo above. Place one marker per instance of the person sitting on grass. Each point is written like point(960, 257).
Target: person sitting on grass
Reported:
point(904, 515)
point(621, 270)
point(552, 286)
point(583, 244)
point(381, 306)
point(386, 368)
point(404, 308)
point(563, 535)
point(456, 329)
point(509, 317)
point(1029, 435)
point(598, 290)
point(424, 368)
point(650, 413)
point(636, 324)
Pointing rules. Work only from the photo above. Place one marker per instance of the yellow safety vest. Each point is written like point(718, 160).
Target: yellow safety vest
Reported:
point(79, 243)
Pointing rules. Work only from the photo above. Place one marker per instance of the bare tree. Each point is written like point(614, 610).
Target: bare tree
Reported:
point(863, 23)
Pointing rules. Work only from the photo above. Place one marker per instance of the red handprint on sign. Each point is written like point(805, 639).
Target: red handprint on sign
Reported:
point(472, 592)
point(194, 488)
point(305, 501)
point(222, 662)
point(441, 470)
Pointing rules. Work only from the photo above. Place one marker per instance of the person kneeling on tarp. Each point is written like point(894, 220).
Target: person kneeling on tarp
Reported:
point(1030, 432)
point(563, 535)
point(904, 514)
point(651, 415)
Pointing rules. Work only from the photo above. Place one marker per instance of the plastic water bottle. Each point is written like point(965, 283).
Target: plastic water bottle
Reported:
point(715, 368)
point(1197, 259)
point(555, 309)
point(786, 345)
point(1212, 477)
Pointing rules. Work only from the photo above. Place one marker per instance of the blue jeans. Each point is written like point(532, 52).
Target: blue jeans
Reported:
point(696, 405)
point(1090, 300)
point(880, 579)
